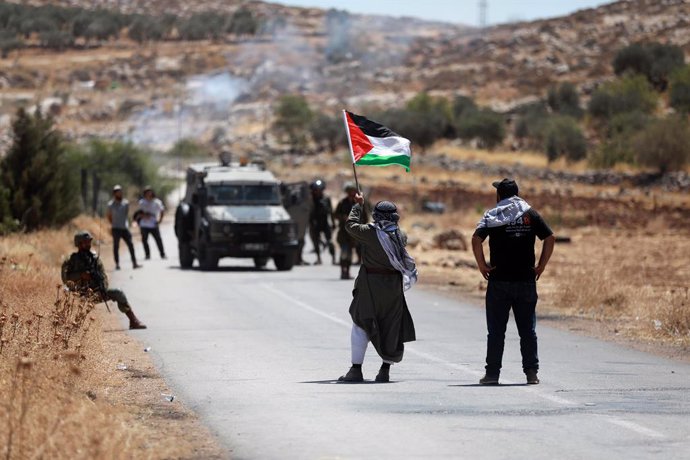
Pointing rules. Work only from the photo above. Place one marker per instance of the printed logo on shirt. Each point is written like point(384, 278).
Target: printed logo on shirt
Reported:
point(519, 227)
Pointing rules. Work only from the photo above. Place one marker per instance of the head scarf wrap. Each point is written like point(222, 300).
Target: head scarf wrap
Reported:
point(386, 219)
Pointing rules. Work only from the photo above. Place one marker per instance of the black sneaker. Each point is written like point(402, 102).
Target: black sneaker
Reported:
point(353, 375)
point(532, 378)
point(489, 380)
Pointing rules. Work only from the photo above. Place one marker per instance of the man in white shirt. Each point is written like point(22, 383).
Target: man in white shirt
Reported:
point(118, 216)
point(151, 211)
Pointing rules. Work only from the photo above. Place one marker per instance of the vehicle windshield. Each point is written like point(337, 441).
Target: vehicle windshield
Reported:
point(223, 194)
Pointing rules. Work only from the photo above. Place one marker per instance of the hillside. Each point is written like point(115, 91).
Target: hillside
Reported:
point(118, 87)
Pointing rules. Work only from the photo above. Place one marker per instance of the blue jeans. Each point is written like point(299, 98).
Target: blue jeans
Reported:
point(501, 296)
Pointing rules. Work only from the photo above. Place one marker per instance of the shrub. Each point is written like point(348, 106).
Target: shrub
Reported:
point(616, 147)
point(56, 39)
point(565, 100)
point(531, 123)
point(628, 94)
point(9, 42)
point(188, 148)
point(243, 22)
point(679, 96)
point(145, 28)
point(564, 138)
point(485, 125)
point(664, 144)
point(328, 132)
point(463, 105)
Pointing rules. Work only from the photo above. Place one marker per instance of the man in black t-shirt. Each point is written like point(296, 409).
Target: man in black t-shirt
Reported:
point(512, 227)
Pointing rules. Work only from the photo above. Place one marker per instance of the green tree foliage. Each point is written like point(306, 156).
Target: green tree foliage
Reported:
point(202, 26)
point(53, 23)
point(243, 22)
point(328, 132)
point(9, 41)
point(188, 148)
point(486, 126)
point(57, 40)
point(655, 61)
point(617, 146)
point(564, 100)
point(145, 28)
point(564, 138)
point(103, 26)
point(679, 96)
point(119, 163)
point(462, 105)
point(41, 187)
point(664, 144)
point(627, 94)
point(428, 119)
point(292, 119)
point(531, 124)
point(7, 221)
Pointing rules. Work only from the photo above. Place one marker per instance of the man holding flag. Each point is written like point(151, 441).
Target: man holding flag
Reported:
point(379, 310)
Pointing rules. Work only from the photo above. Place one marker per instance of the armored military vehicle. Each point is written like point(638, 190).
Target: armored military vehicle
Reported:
point(234, 210)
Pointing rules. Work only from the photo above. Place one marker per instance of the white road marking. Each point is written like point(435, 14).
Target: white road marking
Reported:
point(639, 429)
point(632, 426)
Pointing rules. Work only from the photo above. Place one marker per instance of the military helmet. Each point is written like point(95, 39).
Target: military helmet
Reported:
point(82, 235)
point(318, 184)
point(349, 186)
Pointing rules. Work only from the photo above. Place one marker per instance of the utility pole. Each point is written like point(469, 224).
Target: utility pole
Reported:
point(483, 8)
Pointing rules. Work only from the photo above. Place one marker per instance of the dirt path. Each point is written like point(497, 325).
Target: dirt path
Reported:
point(173, 429)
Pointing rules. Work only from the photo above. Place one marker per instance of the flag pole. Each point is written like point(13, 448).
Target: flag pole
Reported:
point(352, 153)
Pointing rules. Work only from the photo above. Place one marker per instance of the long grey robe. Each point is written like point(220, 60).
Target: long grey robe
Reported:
point(378, 305)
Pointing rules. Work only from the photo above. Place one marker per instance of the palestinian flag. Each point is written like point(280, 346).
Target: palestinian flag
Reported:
point(375, 145)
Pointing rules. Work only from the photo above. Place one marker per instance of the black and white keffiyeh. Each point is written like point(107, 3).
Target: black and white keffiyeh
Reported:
point(506, 211)
point(387, 230)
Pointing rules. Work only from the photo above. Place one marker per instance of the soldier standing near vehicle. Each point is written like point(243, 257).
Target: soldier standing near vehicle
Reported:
point(321, 220)
point(118, 216)
point(378, 309)
point(151, 210)
point(346, 242)
point(512, 227)
point(297, 202)
point(83, 272)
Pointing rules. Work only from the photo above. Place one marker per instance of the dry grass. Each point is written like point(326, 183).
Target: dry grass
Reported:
point(61, 395)
point(637, 277)
point(50, 350)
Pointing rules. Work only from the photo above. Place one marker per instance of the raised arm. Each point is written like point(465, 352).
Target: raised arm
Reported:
point(353, 226)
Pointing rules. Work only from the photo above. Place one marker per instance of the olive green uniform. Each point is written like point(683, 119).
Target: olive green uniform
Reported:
point(378, 305)
point(87, 262)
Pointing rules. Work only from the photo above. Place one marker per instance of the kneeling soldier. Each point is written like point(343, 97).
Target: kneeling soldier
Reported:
point(84, 273)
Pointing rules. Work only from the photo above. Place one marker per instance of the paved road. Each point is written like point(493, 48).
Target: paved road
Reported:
point(256, 352)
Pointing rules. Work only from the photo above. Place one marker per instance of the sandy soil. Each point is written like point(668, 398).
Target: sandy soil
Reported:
point(171, 426)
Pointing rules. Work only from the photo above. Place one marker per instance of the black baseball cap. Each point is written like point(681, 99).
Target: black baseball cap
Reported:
point(506, 187)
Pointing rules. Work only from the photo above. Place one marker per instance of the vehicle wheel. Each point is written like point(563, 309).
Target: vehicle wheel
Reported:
point(284, 262)
point(207, 261)
point(260, 262)
point(186, 256)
